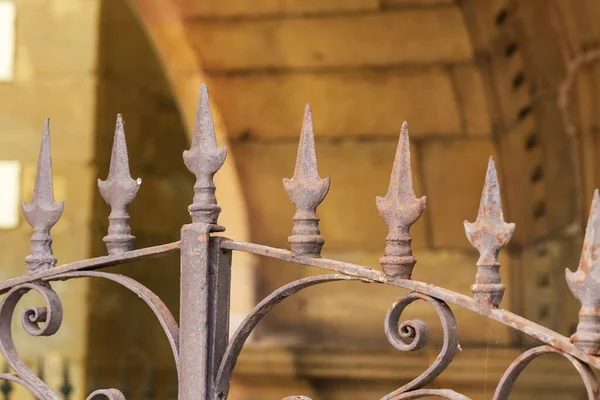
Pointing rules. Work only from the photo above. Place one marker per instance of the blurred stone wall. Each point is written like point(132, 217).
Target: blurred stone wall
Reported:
point(54, 76)
point(472, 79)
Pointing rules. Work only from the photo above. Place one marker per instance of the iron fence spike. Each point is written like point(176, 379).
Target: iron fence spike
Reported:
point(306, 190)
point(400, 209)
point(489, 234)
point(585, 284)
point(204, 159)
point(119, 190)
point(42, 213)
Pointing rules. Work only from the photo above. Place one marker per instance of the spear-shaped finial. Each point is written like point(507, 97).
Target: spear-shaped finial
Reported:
point(585, 285)
point(204, 159)
point(118, 190)
point(306, 190)
point(43, 213)
point(400, 209)
point(489, 234)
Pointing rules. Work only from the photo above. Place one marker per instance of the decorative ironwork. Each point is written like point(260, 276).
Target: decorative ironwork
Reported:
point(118, 190)
point(489, 234)
point(204, 357)
point(204, 159)
point(585, 285)
point(400, 209)
point(43, 213)
point(306, 190)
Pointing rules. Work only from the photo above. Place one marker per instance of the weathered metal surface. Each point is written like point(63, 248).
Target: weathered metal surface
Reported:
point(94, 263)
point(412, 335)
point(489, 234)
point(219, 275)
point(585, 285)
point(118, 190)
point(306, 190)
point(428, 393)
point(43, 213)
point(400, 209)
point(204, 357)
point(106, 394)
point(506, 317)
point(194, 329)
point(204, 159)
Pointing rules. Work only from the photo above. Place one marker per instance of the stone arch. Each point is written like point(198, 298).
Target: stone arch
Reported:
point(530, 54)
point(264, 60)
point(500, 89)
point(127, 346)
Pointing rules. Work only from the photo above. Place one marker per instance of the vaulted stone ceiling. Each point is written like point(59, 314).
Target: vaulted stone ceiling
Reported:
point(473, 78)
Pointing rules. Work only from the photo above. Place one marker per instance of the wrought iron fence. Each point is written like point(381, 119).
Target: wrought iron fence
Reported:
point(204, 355)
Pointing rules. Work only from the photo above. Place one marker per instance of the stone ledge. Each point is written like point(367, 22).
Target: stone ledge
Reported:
point(475, 366)
point(409, 36)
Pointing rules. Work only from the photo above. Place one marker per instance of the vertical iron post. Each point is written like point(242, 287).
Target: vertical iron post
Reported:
point(205, 268)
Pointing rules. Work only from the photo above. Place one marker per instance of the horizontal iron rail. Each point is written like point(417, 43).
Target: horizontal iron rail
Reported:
point(503, 316)
point(94, 263)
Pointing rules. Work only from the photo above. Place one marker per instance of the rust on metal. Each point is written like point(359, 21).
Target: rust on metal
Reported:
point(413, 335)
point(585, 284)
point(306, 190)
point(43, 213)
point(204, 159)
point(94, 263)
point(489, 234)
point(118, 190)
point(204, 357)
point(400, 209)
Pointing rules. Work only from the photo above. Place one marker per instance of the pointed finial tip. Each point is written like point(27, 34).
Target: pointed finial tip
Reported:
point(120, 123)
point(203, 91)
point(307, 113)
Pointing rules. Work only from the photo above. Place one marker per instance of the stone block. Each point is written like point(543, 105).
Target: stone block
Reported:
point(520, 152)
point(56, 37)
point(480, 18)
point(380, 39)
point(416, 3)
point(69, 104)
point(366, 103)
point(359, 172)
point(472, 99)
point(579, 21)
point(251, 8)
point(454, 174)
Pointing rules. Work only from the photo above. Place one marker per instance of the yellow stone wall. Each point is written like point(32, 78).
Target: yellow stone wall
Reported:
point(449, 68)
point(54, 76)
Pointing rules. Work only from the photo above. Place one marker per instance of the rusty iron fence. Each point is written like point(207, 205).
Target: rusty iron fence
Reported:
point(205, 354)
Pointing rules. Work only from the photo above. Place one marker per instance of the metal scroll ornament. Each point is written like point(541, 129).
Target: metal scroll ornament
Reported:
point(204, 355)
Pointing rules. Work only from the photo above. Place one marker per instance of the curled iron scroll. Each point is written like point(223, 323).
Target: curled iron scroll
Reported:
point(512, 373)
point(106, 394)
point(37, 321)
point(412, 335)
point(423, 393)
